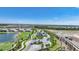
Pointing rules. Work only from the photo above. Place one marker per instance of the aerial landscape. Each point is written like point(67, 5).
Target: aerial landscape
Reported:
point(39, 29)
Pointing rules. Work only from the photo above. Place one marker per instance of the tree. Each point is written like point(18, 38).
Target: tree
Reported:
point(47, 45)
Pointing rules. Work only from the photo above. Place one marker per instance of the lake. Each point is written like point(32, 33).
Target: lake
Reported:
point(8, 37)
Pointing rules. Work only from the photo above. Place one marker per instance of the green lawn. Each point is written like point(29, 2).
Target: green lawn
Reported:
point(5, 46)
point(58, 45)
point(54, 40)
point(34, 36)
point(39, 37)
point(23, 35)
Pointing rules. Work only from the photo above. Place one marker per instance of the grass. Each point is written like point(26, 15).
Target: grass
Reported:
point(54, 40)
point(23, 35)
point(34, 36)
point(24, 45)
point(55, 47)
point(39, 37)
point(4, 46)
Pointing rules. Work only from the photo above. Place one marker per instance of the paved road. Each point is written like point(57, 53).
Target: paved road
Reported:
point(34, 47)
point(27, 45)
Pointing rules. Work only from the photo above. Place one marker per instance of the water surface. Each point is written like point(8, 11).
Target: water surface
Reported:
point(8, 37)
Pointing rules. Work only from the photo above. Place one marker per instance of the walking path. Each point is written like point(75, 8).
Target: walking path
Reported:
point(22, 46)
point(27, 45)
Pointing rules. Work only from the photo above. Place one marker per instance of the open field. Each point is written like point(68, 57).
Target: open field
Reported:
point(23, 35)
point(5, 46)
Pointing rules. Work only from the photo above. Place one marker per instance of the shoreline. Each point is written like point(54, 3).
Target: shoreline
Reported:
point(6, 32)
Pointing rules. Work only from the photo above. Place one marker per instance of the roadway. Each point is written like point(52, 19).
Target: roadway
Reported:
point(71, 43)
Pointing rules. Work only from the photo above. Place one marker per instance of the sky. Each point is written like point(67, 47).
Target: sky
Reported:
point(40, 15)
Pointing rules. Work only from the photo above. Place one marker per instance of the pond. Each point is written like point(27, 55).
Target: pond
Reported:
point(8, 37)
